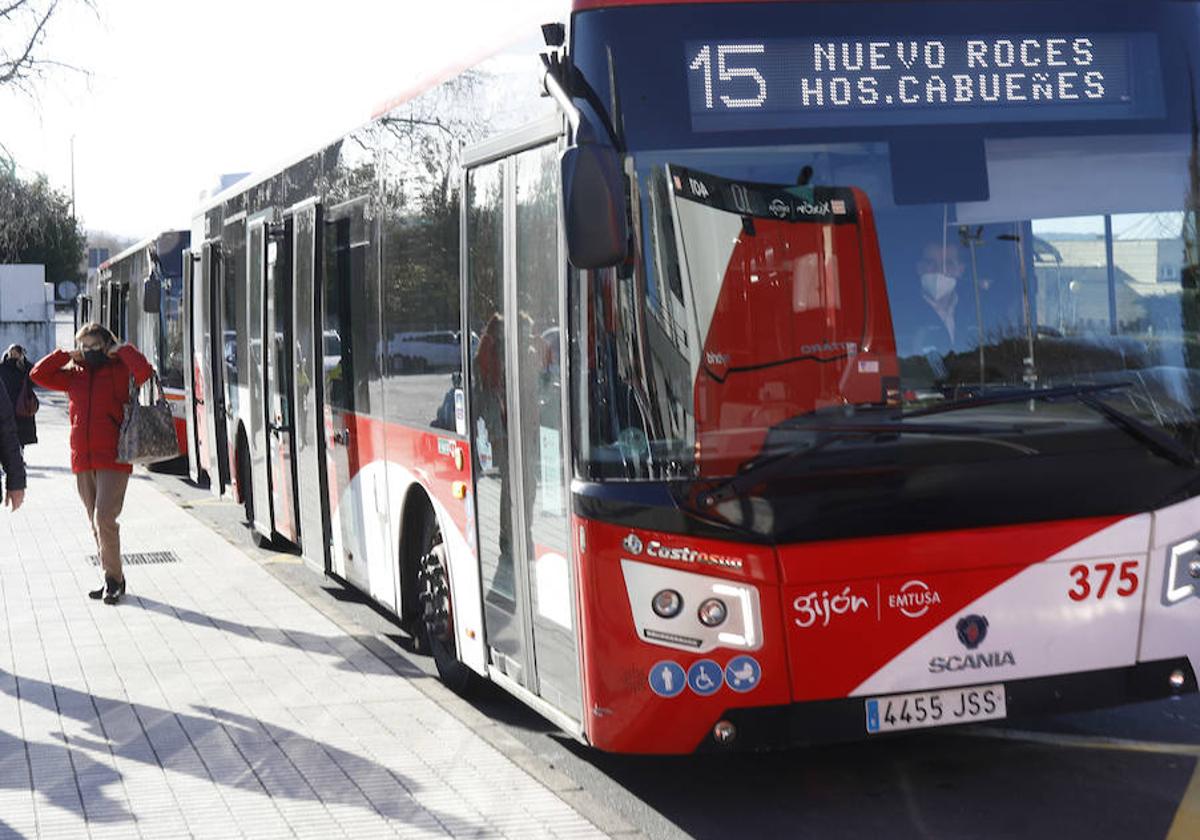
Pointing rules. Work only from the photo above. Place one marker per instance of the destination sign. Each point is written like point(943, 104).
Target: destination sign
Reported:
point(770, 83)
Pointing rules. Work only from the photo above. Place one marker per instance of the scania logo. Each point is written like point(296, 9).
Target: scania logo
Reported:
point(632, 544)
point(971, 661)
point(972, 630)
point(914, 599)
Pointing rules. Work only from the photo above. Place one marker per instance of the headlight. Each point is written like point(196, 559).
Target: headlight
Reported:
point(712, 612)
point(667, 603)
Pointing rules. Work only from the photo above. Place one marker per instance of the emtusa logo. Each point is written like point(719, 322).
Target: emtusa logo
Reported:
point(914, 599)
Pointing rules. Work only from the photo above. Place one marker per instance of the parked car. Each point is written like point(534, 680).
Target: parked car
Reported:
point(424, 352)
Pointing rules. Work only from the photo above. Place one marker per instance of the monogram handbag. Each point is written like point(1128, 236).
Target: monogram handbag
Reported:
point(148, 431)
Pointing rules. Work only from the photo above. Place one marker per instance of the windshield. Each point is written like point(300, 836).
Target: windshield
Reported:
point(866, 225)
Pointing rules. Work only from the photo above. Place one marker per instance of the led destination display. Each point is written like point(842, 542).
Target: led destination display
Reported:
point(772, 83)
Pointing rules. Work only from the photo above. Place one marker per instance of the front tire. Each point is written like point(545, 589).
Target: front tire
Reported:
point(436, 618)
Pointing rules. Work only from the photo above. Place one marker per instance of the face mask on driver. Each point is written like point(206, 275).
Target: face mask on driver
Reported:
point(938, 286)
point(95, 358)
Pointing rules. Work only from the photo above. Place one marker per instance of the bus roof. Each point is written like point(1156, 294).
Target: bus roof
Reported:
point(585, 5)
point(515, 25)
point(137, 246)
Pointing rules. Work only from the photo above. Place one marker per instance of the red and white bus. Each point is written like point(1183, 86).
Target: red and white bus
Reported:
point(741, 374)
point(138, 294)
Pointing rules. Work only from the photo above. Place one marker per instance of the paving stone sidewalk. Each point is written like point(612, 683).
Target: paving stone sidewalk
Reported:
point(214, 702)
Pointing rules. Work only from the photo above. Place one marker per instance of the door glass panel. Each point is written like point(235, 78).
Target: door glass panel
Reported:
point(539, 396)
point(279, 384)
point(345, 247)
point(309, 355)
point(489, 414)
point(260, 468)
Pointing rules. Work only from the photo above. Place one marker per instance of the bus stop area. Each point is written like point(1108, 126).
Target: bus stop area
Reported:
point(213, 701)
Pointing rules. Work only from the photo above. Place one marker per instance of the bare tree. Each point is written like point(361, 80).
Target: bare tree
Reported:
point(23, 28)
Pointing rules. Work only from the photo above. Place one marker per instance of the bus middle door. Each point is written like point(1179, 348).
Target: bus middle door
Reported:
point(345, 247)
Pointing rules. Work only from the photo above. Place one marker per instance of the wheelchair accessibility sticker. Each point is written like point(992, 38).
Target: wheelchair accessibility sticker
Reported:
point(704, 677)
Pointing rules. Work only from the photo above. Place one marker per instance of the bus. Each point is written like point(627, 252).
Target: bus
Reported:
point(784, 372)
point(138, 295)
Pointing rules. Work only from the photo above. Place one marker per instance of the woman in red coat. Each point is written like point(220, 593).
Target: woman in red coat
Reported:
point(95, 376)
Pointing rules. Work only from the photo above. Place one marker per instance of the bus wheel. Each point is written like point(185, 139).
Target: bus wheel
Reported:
point(437, 611)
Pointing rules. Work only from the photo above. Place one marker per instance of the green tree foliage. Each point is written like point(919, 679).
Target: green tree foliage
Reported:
point(37, 226)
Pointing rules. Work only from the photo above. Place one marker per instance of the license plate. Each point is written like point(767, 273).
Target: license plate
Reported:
point(935, 708)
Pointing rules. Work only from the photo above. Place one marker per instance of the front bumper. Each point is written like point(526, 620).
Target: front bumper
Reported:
point(830, 721)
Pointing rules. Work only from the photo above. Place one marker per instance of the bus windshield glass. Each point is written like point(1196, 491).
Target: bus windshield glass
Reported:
point(852, 219)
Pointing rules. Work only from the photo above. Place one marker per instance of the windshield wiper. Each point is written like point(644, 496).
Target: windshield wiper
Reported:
point(833, 431)
point(1151, 436)
point(1017, 395)
point(830, 431)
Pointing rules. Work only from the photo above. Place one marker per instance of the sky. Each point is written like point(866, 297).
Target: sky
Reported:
point(180, 91)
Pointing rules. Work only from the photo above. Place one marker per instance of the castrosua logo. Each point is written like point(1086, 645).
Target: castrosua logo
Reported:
point(633, 544)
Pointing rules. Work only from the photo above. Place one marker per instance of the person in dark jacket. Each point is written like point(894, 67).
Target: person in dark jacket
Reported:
point(14, 375)
point(10, 455)
point(95, 376)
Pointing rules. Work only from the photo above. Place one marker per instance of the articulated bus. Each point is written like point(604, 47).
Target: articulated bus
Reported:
point(138, 294)
point(732, 375)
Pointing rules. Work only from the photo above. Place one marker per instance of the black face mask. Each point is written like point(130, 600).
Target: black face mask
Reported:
point(94, 358)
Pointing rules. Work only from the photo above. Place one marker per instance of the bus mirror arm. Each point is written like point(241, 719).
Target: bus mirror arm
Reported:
point(593, 186)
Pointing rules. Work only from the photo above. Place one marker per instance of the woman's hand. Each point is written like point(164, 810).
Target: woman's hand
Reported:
point(13, 499)
point(112, 351)
point(76, 356)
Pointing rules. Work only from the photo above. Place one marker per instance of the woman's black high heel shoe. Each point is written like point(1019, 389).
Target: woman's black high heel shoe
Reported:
point(115, 590)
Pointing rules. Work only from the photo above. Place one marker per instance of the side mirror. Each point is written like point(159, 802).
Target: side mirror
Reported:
point(594, 212)
point(151, 294)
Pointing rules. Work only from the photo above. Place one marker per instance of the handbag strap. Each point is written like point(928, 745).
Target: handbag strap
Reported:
point(153, 380)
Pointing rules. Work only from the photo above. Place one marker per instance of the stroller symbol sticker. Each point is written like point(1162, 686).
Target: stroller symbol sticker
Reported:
point(667, 679)
point(704, 677)
point(743, 673)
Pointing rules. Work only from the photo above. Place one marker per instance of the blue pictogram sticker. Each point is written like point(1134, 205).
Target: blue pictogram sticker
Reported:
point(704, 677)
point(743, 673)
point(667, 678)
point(872, 715)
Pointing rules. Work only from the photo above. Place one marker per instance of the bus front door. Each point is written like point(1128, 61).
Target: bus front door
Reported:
point(308, 355)
point(514, 304)
point(277, 351)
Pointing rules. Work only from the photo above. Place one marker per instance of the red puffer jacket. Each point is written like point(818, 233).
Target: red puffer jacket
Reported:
point(97, 402)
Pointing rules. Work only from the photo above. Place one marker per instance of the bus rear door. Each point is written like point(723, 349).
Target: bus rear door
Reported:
point(277, 353)
point(257, 281)
point(211, 363)
point(192, 397)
